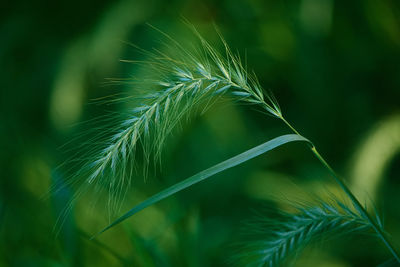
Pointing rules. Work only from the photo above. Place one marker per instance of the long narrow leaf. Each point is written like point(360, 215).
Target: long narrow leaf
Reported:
point(232, 162)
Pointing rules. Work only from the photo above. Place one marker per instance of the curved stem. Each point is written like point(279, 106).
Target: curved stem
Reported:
point(381, 234)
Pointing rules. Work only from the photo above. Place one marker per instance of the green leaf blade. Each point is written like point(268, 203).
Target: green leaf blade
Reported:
point(227, 164)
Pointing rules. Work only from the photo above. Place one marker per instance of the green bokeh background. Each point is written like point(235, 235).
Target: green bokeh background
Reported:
point(334, 67)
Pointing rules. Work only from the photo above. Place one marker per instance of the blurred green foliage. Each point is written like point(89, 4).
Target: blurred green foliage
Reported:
point(333, 66)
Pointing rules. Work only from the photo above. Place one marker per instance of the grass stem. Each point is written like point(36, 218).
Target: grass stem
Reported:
point(363, 212)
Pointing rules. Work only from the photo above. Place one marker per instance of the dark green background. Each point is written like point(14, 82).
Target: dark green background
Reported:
point(334, 67)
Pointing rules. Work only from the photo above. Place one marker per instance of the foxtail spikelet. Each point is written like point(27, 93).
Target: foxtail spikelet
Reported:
point(278, 239)
point(186, 81)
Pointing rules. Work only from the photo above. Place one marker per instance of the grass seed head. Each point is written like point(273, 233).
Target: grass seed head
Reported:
point(186, 81)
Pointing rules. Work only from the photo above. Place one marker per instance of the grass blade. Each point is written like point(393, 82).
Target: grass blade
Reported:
point(232, 162)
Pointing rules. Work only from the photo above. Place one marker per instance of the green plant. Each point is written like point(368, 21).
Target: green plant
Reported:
point(189, 81)
point(273, 240)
